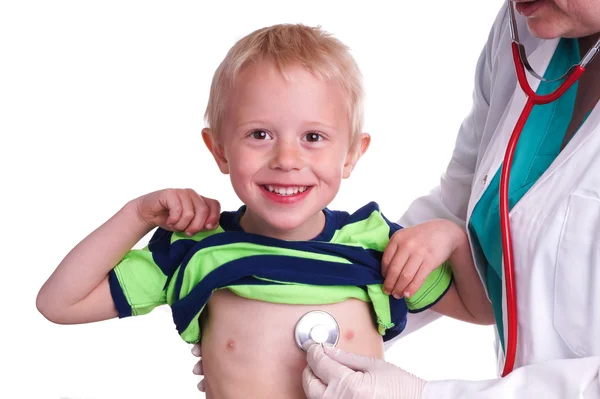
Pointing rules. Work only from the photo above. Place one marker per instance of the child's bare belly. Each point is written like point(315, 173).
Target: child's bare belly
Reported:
point(249, 350)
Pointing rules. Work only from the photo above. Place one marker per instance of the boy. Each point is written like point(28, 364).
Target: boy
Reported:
point(285, 122)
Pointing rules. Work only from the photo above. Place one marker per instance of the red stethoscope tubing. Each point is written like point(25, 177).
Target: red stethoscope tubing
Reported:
point(507, 253)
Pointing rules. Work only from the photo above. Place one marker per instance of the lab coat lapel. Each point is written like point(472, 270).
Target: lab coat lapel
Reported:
point(494, 155)
point(580, 138)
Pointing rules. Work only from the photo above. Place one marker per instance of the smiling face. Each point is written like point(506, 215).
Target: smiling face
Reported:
point(286, 144)
point(548, 19)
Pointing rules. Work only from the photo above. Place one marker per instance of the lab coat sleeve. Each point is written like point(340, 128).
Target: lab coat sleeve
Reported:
point(557, 379)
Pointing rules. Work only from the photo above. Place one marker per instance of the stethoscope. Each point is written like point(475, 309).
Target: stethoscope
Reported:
point(316, 327)
point(321, 328)
point(570, 77)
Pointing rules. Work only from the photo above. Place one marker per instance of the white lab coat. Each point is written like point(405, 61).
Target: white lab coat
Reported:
point(555, 230)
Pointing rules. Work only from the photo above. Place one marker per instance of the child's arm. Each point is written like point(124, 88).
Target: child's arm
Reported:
point(78, 290)
point(414, 252)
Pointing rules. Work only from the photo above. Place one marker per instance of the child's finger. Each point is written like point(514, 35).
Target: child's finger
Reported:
point(388, 255)
point(418, 280)
point(214, 213)
point(200, 214)
point(172, 203)
point(187, 212)
point(393, 271)
point(407, 274)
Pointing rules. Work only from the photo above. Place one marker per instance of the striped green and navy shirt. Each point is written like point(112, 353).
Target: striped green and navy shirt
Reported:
point(342, 262)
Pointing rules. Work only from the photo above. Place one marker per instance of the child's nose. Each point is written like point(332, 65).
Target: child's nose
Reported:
point(287, 156)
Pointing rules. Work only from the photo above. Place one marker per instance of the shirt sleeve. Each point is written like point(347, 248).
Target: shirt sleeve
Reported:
point(435, 287)
point(138, 283)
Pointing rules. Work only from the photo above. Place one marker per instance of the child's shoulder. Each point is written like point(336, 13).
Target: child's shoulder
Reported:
point(228, 221)
point(367, 226)
point(364, 213)
point(163, 237)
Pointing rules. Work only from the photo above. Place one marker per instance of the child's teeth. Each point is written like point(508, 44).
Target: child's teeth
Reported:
point(286, 190)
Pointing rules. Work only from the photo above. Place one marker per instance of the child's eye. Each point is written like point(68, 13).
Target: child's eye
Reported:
point(260, 135)
point(313, 137)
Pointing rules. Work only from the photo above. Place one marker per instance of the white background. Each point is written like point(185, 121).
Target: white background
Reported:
point(101, 102)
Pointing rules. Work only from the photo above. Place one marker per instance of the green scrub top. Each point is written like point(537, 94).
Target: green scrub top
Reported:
point(538, 146)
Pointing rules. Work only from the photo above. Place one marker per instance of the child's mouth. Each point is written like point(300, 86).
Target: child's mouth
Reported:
point(285, 194)
point(285, 191)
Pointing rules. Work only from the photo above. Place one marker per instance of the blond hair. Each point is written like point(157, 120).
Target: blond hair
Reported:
point(289, 45)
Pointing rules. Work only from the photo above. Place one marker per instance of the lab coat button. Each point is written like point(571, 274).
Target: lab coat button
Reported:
point(484, 179)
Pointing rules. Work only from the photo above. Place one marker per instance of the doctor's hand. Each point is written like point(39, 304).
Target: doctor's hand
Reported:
point(414, 252)
point(197, 351)
point(334, 374)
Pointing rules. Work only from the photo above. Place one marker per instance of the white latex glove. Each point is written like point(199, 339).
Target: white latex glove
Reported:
point(335, 374)
point(197, 351)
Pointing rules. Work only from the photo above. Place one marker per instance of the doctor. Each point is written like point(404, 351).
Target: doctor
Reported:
point(554, 196)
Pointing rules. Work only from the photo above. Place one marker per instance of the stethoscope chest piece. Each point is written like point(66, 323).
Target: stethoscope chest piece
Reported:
point(316, 327)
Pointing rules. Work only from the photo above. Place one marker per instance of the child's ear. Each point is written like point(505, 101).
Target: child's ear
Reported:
point(358, 149)
point(216, 149)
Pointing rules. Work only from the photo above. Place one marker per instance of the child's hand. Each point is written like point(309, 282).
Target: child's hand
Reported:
point(414, 252)
point(178, 210)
